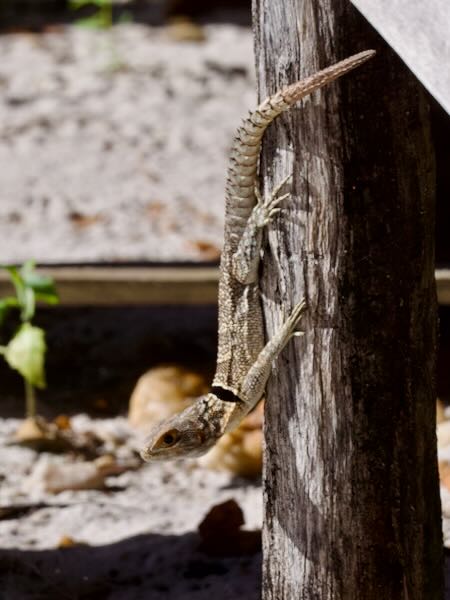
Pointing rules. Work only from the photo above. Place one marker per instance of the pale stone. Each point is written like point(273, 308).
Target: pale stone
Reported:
point(162, 392)
point(440, 412)
point(54, 477)
point(239, 451)
point(443, 434)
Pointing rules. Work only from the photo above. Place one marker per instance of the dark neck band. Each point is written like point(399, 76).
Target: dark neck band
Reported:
point(225, 395)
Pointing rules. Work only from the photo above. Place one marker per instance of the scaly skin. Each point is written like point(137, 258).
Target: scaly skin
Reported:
point(243, 362)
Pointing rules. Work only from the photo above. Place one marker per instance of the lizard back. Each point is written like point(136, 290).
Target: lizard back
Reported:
point(240, 331)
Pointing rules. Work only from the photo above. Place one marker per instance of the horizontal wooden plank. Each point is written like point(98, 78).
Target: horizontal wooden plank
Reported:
point(114, 286)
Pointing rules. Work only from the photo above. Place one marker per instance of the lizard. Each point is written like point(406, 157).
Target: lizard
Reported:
point(243, 360)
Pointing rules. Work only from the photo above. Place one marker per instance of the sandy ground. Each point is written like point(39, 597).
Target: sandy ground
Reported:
point(113, 146)
point(136, 539)
point(140, 532)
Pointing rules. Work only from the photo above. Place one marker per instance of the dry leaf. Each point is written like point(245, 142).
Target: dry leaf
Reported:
point(68, 542)
point(62, 422)
point(82, 220)
point(207, 250)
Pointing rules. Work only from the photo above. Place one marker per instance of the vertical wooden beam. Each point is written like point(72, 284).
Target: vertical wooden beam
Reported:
point(352, 507)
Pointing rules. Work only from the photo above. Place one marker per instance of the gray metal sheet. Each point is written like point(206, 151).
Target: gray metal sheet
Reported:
point(419, 31)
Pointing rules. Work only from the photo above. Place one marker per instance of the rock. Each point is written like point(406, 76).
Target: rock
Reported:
point(444, 473)
point(54, 477)
point(222, 518)
point(239, 451)
point(443, 434)
point(221, 533)
point(161, 392)
point(36, 433)
point(31, 428)
point(58, 437)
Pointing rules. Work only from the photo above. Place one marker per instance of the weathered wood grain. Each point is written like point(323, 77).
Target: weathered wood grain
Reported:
point(351, 486)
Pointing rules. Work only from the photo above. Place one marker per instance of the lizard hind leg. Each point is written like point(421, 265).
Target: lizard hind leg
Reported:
point(255, 381)
point(245, 260)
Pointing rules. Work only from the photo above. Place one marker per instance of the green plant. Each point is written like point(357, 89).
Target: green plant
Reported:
point(25, 351)
point(102, 19)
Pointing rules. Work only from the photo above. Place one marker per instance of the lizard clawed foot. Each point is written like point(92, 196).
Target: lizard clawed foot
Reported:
point(293, 320)
point(267, 208)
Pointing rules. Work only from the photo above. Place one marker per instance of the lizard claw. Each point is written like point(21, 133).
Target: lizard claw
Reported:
point(274, 212)
point(267, 208)
point(280, 185)
point(274, 201)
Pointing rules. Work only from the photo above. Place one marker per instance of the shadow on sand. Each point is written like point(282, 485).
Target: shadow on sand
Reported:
point(147, 567)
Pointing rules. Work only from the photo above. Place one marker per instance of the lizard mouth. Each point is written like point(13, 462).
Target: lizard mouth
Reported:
point(151, 455)
point(173, 446)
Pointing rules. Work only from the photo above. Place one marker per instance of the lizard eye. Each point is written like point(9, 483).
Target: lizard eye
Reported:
point(170, 438)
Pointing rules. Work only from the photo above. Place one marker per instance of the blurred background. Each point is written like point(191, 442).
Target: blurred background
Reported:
point(116, 119)
point(116, 123)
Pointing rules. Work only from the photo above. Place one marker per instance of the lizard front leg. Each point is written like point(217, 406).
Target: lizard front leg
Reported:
point(254, 383)
point(245, 260)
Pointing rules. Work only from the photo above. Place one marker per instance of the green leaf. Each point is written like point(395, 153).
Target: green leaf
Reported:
point(27, 267)
point(6, 305)
point(75, 4)
point(16, 279)
point(28, 303)
point(50, 298)
point(97, 21)
point(107, 3)
point(25, 295)
point(31, 286)
point(26, 353)
point(42, 285)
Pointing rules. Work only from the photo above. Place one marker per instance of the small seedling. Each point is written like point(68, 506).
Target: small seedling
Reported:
point(102, 19)
point(25, 351)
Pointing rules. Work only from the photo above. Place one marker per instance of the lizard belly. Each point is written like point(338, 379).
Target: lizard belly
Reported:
point(241, 335)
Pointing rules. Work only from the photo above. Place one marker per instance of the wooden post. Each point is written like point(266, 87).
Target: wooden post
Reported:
point(352, 509)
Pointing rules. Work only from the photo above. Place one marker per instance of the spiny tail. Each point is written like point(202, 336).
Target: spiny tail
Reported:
point(247, 143)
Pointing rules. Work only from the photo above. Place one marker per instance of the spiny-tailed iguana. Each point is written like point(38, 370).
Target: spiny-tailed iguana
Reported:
point(243, 361)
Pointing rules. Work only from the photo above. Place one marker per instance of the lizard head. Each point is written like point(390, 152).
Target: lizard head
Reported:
point(187, 434)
